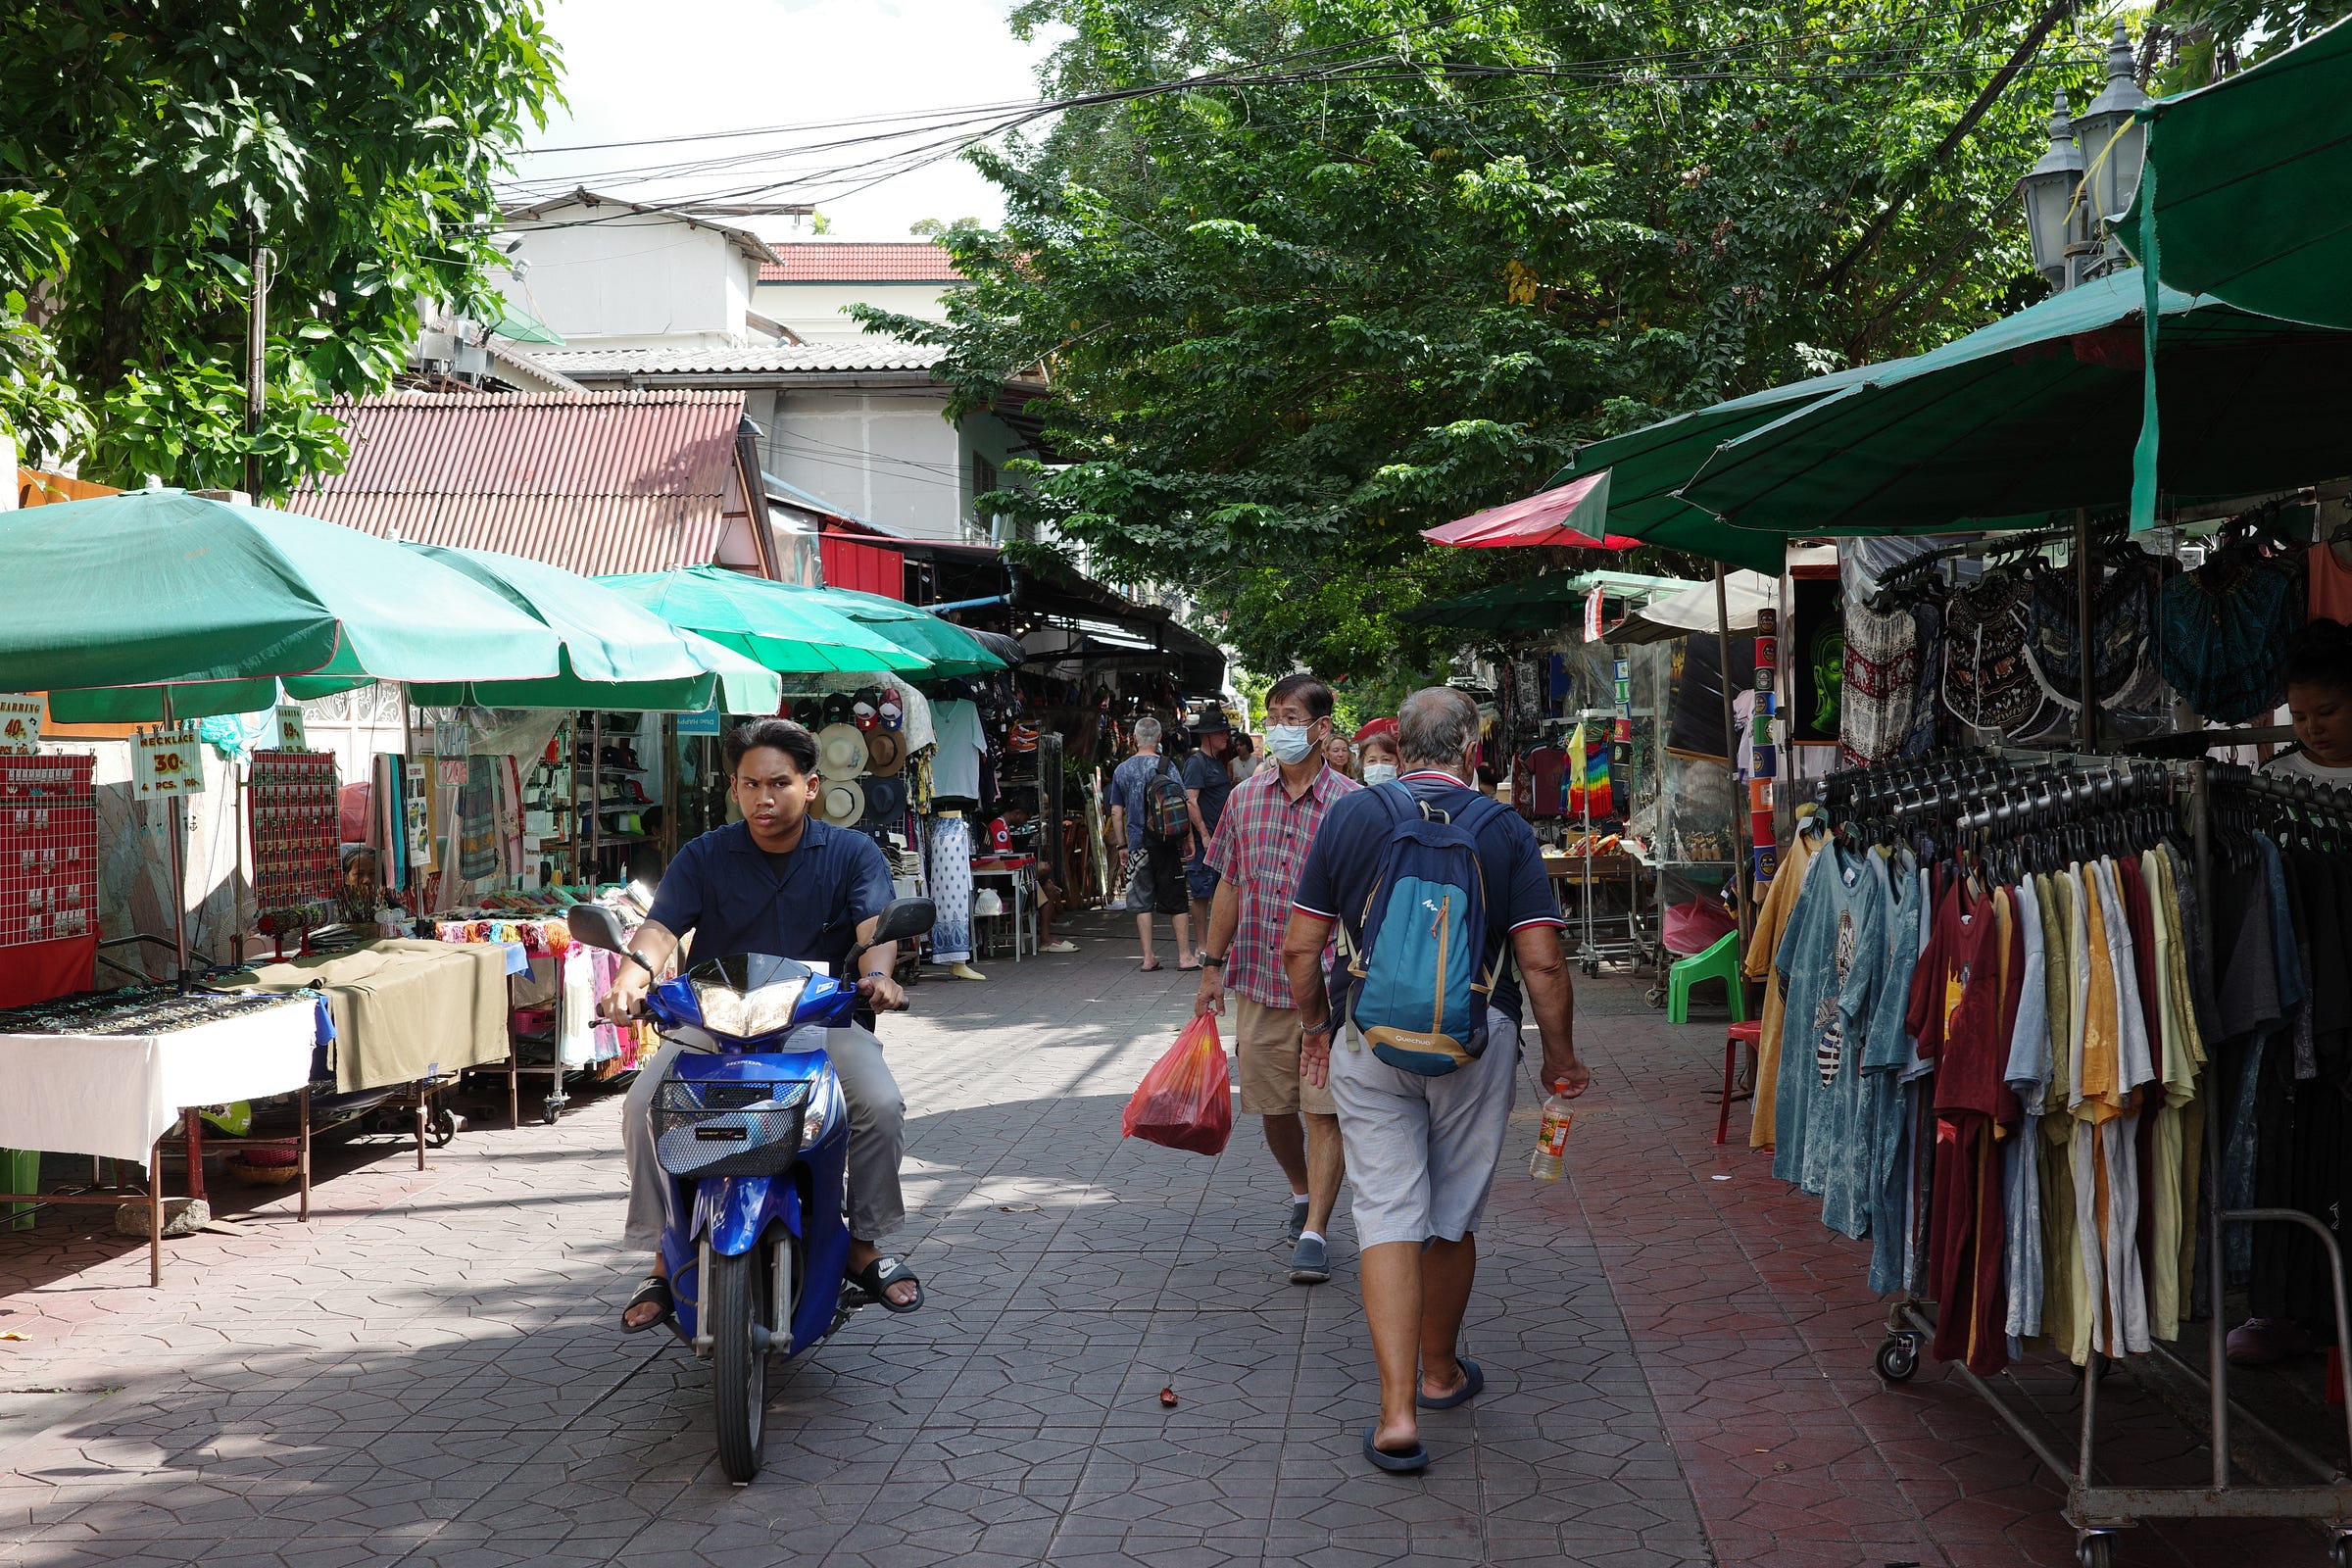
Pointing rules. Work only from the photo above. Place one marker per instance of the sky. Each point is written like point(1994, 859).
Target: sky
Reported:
point(634, 71)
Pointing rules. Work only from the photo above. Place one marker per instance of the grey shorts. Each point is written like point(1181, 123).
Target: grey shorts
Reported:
point(1421, 1152)
point(1156, 879)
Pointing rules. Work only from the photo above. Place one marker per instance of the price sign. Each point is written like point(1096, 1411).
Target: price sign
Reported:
point(290, 735)
point(20, 726)
point(166, 762)
point(450, 739)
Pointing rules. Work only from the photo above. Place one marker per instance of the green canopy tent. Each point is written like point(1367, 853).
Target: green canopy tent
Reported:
point(2248, 186)
point(618, 655)
point(777, 628)
point(951, 650)
point(161, 596)
point(1536, 604)
point(2022, 422)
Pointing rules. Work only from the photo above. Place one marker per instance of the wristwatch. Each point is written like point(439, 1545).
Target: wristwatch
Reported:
point(1212, 963)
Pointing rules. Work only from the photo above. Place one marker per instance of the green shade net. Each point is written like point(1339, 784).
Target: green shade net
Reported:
point(618, 655)
point(777, 628)
point(2249, 185)
point(162, 588)
point(951, 650)
point(2019, 423)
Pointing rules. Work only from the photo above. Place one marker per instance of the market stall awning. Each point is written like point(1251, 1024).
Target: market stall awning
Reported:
point(950, 650)
point(159, 588)
point(1572, 516)
point(777, 628)
point(618, 655)
point(1672, 615)
point(2023, 422)
point(1537, 603)
point(2249, 184)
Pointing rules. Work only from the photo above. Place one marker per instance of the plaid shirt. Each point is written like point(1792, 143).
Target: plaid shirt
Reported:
point(1260, 848)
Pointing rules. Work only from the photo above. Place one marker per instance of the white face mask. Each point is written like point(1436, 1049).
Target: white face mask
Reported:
point(1380, 772)
point(1289, 743)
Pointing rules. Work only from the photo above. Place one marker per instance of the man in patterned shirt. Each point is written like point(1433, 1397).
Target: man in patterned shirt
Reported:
point(1260, 846)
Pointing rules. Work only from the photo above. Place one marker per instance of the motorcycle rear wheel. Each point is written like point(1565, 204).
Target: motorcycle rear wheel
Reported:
point(735, 1297)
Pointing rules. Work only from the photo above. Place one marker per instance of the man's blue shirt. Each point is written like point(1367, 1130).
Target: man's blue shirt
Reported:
point(727, 891)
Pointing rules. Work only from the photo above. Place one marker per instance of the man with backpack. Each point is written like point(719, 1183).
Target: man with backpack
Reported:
point(1148, 808)
point(1447, 933)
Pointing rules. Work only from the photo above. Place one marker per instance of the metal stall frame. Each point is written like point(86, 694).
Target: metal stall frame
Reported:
point(2098, 1511)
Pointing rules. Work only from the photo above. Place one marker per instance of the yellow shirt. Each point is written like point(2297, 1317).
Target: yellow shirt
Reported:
point(1764, 946)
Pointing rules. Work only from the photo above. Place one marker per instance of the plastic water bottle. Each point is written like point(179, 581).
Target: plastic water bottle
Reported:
point(1550, 1161)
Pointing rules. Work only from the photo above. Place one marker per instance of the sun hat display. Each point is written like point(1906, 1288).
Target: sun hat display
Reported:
point(885, 752)
point(885, 800)
point(841, 801)
point(840, 751)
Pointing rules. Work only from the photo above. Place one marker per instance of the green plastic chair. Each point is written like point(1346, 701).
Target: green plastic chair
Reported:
point(1719, 962)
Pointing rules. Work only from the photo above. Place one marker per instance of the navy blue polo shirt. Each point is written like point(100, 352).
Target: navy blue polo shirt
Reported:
point(725, 890)
point(1345, 856)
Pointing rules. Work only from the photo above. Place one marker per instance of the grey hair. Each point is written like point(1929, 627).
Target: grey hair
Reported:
point(1147, 731)
point(1435, 726)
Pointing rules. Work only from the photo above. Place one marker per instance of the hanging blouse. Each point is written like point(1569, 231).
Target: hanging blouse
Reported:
point(2123, 675)
point(1988, 682)
point(2225, 630)
point(1880, 684)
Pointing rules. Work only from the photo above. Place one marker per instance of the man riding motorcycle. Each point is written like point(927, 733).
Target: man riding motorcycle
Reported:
point(783, 882)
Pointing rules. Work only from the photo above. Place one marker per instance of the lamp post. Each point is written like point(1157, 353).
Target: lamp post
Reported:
point(2053, 218)
point(2113, 139)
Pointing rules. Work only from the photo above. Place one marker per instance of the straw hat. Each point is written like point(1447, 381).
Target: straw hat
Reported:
point(840, 751)
point(885, 752)
point(841, 801)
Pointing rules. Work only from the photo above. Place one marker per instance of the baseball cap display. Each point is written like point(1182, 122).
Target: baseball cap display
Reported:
point(892, 707)
point(865, 708)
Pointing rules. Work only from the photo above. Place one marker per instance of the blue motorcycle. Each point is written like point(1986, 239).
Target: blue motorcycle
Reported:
point(753, 1133)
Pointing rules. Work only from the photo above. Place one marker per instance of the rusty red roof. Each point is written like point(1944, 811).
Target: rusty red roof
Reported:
point(827, 261)
point(595, 482)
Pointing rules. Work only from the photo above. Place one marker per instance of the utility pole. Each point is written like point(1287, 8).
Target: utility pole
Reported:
point(257, 344)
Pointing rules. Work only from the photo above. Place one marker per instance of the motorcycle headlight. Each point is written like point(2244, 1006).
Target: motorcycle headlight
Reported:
point(745, 1014)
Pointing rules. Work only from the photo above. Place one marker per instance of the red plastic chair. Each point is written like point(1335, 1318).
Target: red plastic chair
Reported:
point(1750, 1033)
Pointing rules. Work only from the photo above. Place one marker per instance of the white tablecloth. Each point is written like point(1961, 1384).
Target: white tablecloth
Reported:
point(116, 1095)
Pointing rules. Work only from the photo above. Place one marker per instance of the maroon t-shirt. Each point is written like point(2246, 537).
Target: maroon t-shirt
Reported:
point(1956, 1006)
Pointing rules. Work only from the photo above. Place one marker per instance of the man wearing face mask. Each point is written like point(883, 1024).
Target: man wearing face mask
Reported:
point(1260, 848)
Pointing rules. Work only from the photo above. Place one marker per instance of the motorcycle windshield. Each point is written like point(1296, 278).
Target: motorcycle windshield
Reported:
point(748, 994)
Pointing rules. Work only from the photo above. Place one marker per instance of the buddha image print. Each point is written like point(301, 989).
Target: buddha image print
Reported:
point(1830, 1040)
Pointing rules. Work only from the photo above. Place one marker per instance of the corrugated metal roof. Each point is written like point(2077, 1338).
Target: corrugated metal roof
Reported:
point(768, 358)
point(595, 482)
point(830, 261)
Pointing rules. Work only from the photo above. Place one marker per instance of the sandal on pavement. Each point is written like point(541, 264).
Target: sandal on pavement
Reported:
point(1416, 1458)
point(1152, 968)
point(876, 1279)
point(1059, 947)
point(1474, 1382)
point(655, 1290)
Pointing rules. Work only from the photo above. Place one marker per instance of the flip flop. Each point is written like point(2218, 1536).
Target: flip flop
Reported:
point(1394, 1463)
point(1150, 968)
point(655, 1289)
point(1474, 1382)
point(876, 1279)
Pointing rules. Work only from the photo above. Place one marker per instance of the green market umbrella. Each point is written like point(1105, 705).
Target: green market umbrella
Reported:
point(618, 655)
point(951, 650)
point(2249, 184)
point(160, 589)
point(1536, 604)
point(2020, 423)
point(777, 628)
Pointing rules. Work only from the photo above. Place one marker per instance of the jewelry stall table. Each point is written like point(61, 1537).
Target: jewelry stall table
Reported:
point(112, 1078)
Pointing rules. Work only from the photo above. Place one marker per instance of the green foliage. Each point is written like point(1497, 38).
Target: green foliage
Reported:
point(356, 138)
point(2208, 39)
point(35, 404)
point(1294, 319)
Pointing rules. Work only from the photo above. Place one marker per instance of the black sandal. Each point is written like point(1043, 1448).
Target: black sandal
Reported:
point(876, 1279)
point(655, 1289)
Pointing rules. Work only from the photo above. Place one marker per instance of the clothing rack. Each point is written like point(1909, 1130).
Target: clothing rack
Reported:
point(2002, 810)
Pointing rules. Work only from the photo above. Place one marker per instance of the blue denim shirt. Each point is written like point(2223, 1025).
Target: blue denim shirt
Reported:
point(724, 889)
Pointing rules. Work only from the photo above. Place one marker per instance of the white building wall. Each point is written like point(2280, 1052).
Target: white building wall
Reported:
point(638, 280)
point(815, 311)
point(887, 457)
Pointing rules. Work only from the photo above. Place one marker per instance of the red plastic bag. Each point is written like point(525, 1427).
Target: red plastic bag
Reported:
point(1186, 1100)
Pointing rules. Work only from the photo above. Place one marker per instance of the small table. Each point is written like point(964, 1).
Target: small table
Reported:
point(1020, 876)
point(115, 1096)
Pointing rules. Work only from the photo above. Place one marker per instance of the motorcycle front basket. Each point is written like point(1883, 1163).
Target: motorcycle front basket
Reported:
point(727, 1126)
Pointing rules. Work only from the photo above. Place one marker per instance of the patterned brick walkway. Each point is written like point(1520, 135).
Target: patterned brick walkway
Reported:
point(1679, 1357)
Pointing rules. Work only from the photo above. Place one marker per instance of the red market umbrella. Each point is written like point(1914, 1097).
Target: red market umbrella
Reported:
point(1557, 517)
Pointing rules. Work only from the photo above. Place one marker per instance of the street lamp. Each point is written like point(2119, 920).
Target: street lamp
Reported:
point(2113, 139)
point(2053, 216)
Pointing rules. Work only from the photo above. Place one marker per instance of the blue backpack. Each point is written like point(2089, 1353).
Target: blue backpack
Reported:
point(1417, 992)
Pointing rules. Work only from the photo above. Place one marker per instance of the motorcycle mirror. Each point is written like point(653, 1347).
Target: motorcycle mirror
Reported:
point(905, 917)
point(595, 926)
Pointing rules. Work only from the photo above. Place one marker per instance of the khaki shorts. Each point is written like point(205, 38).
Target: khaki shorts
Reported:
point(1265, 1043)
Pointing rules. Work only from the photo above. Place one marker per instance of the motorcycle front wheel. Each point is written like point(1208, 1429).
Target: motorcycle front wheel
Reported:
point(734, 1296)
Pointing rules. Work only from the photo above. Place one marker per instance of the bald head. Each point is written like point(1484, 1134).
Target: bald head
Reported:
point(1436, 727)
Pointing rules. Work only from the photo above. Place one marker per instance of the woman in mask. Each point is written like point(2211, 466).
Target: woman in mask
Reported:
point(1376, 754)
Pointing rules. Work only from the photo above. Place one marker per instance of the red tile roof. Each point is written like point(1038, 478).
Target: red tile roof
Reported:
point(825, 261)
point(595, 482)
